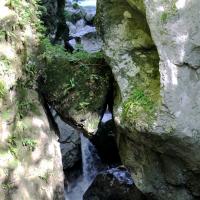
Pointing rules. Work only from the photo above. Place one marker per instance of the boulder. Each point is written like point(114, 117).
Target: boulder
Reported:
point(78, 90)
point(157, 100)
point(115, 184)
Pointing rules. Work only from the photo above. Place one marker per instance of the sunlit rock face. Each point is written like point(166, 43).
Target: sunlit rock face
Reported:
point(157, 109)
point(30, 159)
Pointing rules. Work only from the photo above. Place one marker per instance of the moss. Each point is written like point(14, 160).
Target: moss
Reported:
point(164, 17)
point(139, 107)
point(169, 11)
point(3, 90)
point(139, 4)
point(25, 104)
point(144, 99)
point(75, 81)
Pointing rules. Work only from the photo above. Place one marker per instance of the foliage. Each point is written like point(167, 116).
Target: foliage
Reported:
point(5, 115)
point(51, 52)
point(2, 34)
point(25, 104)
point(13, 4)
point(170, 10)
point(12, 145)
point(5, 61)
point(138, 106)
point(29, 143)
point(29, 13)
point(75, 5)
point(67, 15)
point(30, 74)
point(3, 90)
point(80, 75)
point(7, 186)
point(45, 177)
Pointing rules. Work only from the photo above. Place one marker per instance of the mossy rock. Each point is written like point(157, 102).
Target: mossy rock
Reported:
point(76, 85)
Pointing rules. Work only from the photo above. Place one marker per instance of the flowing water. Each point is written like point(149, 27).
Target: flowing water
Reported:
point(91, 166)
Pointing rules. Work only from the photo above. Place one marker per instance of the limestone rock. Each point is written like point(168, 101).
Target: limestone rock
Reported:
point(30, 159)
point(157, 102)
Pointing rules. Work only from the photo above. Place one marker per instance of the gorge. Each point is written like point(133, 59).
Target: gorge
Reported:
point(99, 100)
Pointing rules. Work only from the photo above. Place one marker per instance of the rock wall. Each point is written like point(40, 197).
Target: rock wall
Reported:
point(30, 160)
point(157, 99)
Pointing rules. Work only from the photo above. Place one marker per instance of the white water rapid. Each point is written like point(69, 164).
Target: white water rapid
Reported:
point(91, 166)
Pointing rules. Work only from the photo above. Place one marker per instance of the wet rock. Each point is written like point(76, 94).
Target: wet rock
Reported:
point(81, 29)
point(105, 143)
point(69, 140)
point(74, 14)
point(113, 184)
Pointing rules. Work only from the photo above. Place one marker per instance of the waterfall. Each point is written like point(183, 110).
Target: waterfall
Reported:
point(91, 163)
point(91, 166)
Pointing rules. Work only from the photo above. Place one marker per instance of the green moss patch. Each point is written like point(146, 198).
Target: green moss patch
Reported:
point(3, 90)
point(25, 103)
point(144, 99)
point(74, 83)
point(139, 106)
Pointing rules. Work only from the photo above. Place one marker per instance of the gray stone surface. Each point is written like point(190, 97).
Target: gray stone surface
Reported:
point(81, 26)
point(70, 143)
point(163, 154)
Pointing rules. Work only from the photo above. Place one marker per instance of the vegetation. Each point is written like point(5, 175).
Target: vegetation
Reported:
point(138, 105)
point(3, 90)
point(25, 104)
point(7, 186)
point(45, 177)
point(144, 98)
point(2, 34)
point(29, 13)
point(29, 143)
point(170, 10)
point(80, 75)
point(12, 145)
